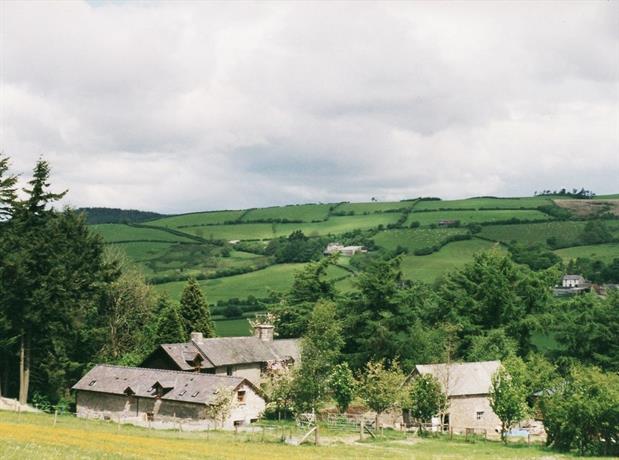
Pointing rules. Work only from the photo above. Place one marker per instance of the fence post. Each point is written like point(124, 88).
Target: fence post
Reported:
point(55, 416)
point(316, 436)
point(361, 429)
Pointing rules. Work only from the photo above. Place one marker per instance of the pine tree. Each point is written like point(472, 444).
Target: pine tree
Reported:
point(194, 311)
point(169, 323)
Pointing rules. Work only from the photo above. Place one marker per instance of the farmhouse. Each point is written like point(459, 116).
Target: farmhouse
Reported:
point(573, 281)
point(132, 394)
point(348, 251)
point(247, 357)
point(467, 386)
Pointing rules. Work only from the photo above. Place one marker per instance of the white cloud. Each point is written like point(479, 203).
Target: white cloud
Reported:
point(186, 106)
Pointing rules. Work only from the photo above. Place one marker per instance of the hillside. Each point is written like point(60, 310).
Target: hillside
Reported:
point(232, 252)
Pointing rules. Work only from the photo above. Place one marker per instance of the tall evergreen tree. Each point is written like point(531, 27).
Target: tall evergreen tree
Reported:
point(8, 195)
point(195, 312)
point(169, 323)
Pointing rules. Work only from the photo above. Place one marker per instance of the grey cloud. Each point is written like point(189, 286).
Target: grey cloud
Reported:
point(182, 106)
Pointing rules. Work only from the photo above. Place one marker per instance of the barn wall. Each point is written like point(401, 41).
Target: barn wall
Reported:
point(244, 413)
point(463, 411)
point(250, 372)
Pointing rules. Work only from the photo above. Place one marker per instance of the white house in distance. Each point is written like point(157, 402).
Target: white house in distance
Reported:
point(164, 398)
point(467, 386)
point(573, 281)
point(348, 251)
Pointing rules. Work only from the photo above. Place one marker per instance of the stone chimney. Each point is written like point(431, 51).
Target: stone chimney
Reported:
point(197, 337)
point(264, 332)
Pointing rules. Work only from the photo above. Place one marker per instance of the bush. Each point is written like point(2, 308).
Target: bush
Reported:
point(233, 311)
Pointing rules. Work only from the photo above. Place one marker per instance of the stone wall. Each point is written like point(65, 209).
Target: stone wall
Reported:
point(127, 408)
point(249, 371)
point(463, 413)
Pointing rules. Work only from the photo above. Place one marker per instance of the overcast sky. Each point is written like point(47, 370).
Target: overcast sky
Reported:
point(177, 107)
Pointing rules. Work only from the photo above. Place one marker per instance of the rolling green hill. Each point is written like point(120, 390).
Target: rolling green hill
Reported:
point(171, 248)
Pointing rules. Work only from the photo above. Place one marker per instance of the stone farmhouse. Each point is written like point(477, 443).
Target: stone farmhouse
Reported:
point(573, 281)
point(164, 397)
point(467, 386)
point(348, 251)
point(246, 357)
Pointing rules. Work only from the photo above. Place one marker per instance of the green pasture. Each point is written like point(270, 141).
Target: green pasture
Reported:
point(304, 212)
point(603, 252)
point(334, 225)
point(567, 232)
point(473, 217)
point(453, 255)
point(484, 203)
point(232, 327)
point(416, 238)
point(123, 232)
point(258, 283)
point(361, 208)
point(198, 218)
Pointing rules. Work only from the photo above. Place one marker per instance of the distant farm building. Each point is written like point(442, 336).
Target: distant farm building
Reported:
point(165, 398)
point(573, 281)
point(246, 357)
point(571, 285)
point(348, 251)
point(448, 223)
point(467, 386)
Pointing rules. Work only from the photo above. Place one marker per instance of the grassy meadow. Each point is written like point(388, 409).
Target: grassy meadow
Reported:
point(453, 255)
point(565, 232)
point(303, 212)
point(417, 238)
point(372, 207)
point(29, 436)
point(473, 217)
point(121, 232)
point(604, 252)
point(198, 218)
point(484, 203)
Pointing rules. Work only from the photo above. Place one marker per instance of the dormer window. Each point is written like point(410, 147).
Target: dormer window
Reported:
point(182, 392)
point(195, 394)
point(92, 383)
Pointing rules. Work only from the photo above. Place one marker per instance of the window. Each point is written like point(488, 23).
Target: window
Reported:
point(182, 392)
point(479, 415)
point(195, 394)
point(92, 383)
point(229, 370)
point(240, 396)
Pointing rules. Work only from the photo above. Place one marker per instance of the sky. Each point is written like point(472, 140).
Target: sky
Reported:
point(187, 106)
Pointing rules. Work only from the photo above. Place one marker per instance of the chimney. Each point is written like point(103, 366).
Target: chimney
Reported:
point(197, 337)
point(264, 332)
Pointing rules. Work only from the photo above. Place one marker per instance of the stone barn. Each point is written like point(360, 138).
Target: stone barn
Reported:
point(133, 394)
point(467, 386)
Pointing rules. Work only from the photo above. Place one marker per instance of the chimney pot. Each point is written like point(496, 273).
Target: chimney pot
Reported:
point(264, 332)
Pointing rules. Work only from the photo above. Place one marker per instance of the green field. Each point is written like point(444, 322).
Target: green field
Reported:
point(603, 252)
point(334, 225)
point(122, 232)
point(484, 203)
point(565, 232)
point(232, 327)
point(453, 255)
point(361, 208)
point(198, 218)
point(417, 238)
point(303, 212)
point(276, 277)
point(27, 436)
point(471, 217)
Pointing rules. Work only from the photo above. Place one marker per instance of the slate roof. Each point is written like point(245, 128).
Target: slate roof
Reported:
point(227, 351)
point(181, 386)
point(462, 378)
point(573, 277)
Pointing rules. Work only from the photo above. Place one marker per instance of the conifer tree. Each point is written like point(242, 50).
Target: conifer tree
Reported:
point(169, 326)
point(194, 311)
